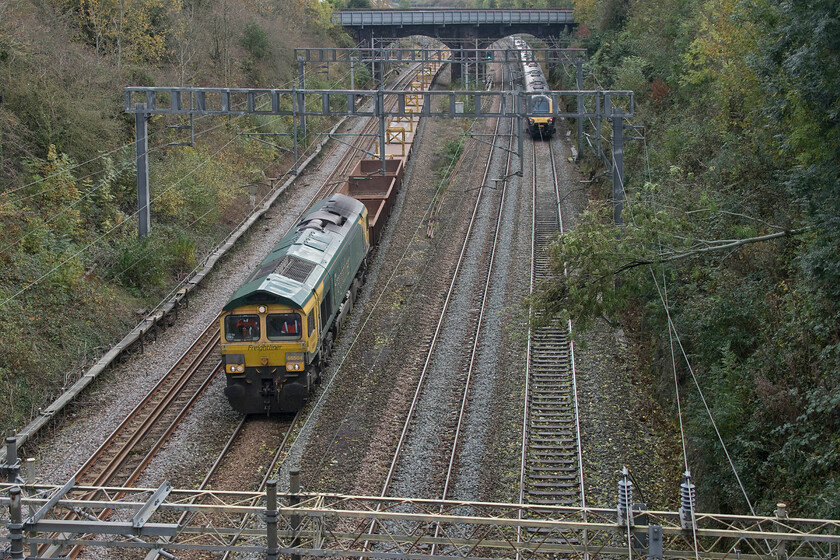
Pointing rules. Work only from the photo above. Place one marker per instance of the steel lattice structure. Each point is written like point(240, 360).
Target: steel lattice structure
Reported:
point(559, 55)
point(325, 525)
point(334, 102)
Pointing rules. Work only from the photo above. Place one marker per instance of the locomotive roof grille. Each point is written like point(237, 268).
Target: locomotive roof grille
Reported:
point(294, 268)
point(319, 219)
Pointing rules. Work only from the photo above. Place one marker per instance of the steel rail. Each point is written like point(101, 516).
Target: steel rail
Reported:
point(430, 351)
point(158, 414)
point(559, 200)
point(477, 335)
point(342, 168)
point(275, 461)
point(146, 420)
point(362, 143)
point(551, 468)
point(128, 435)
point(551, 475)
point(187, 516)
point(432, 343)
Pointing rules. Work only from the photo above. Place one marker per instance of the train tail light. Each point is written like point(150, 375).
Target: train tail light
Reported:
point(530, 121)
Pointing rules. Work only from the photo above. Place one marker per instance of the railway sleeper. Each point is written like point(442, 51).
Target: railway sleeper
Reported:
point(552, 436)
point(550, 439)
point(569, 444)
point(536, 471)
point(554, 462)
point(536, 488)
point(543, 424)
point(538, 477)
point(548, 367)
point(549, 426)
point(552, 362)
point(543, 432)
point(561, 459)
point(557, 404)
point(553, 424)
point(552, 413)
point(566, 490)
point(555, 499)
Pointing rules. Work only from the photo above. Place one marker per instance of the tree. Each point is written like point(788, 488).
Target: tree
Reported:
point(133, 29)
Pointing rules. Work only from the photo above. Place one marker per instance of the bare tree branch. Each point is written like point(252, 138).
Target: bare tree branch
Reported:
point(668, 257)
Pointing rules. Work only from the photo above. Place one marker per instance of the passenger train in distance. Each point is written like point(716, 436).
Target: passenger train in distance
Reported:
point(540, 117)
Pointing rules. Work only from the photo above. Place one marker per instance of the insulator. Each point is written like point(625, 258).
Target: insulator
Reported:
point(625, 499)
point(688, 501)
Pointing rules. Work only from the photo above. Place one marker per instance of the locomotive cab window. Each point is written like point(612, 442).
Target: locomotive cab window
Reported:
point(310, 322)
point(283, 326)
point(242, 328)
point(541, 105)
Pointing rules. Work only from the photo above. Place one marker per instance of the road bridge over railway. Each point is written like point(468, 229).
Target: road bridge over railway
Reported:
point(454, 26)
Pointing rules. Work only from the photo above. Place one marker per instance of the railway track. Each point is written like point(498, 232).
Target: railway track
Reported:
point(431, 341)
point(228, 461)
point(128, 450)
point(551, 457)
point(476, 338)
point(120, 460)
point(283, 428)
point(131, 447)
point(477, 303)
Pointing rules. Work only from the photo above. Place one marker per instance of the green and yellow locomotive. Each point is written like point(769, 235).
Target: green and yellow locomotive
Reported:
point(278, 329)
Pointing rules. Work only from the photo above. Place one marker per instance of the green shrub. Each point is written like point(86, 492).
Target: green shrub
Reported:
point(255, 41)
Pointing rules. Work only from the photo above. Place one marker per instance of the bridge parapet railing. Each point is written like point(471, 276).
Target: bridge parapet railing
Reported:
point(451, 17)
point(321, 525)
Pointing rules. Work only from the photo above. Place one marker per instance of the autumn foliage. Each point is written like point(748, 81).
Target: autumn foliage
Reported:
point(733, 222)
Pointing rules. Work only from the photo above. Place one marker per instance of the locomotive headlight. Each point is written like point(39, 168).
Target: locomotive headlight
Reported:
point(235, 363)
point(550, 121)
point(294, 361)
point(530, 121)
